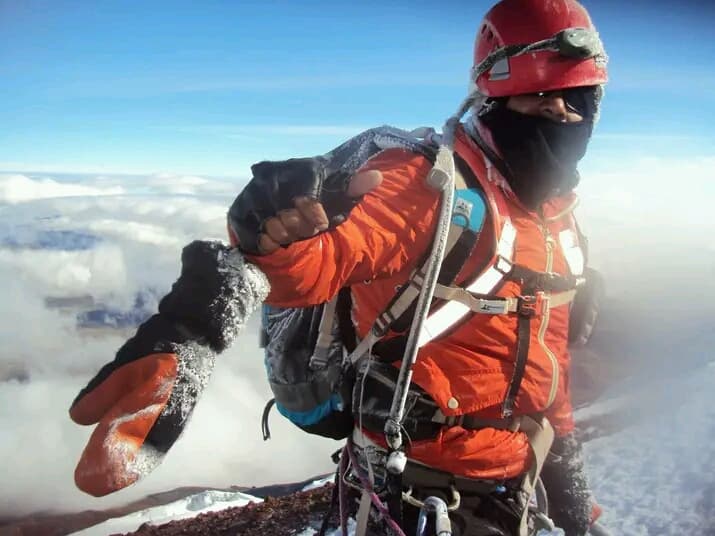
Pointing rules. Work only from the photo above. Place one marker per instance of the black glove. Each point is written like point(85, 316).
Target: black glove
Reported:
point(585, 308)
point(274, 187)
point(570, 499)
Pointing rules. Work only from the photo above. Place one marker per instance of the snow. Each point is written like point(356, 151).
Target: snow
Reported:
point(191, 506)
point(188, 507)
point(656, 477)
point(319, 483)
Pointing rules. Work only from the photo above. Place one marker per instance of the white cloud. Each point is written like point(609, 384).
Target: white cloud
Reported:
point(18, 188)
point(651, 220)
point(174, 184)
point(137, 243)
point(136, 231)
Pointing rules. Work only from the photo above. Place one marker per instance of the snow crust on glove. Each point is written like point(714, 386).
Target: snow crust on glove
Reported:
point(564, 476)
point(215, 294)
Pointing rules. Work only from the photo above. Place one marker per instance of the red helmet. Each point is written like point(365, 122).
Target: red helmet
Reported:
point(523, 22)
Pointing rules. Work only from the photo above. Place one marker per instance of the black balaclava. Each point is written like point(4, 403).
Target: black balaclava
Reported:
point(541, 155)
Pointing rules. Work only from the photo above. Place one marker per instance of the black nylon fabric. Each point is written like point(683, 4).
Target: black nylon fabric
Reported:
point(204, 296)
point(372, 398)
point(275, 185)
point(485, 509)
point(523, 337)
point(478, 515)
point(541, 155)
point(188, 312)
point(586, 307)
point(291, 337)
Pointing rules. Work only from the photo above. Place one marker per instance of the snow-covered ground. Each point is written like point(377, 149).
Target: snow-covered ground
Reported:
point(191, 506)
point(656, 478)
point(188, 507)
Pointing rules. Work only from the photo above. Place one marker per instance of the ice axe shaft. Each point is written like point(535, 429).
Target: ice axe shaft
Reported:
point(442, 178)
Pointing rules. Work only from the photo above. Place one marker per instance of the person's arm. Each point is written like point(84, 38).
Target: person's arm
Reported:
point(386, 232)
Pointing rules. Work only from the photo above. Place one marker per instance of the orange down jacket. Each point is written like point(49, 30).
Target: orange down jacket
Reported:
point(469, 369)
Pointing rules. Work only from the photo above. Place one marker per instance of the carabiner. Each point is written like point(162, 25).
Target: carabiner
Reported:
point(442, 525)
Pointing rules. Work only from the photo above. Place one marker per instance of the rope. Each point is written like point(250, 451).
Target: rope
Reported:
point(367, 488)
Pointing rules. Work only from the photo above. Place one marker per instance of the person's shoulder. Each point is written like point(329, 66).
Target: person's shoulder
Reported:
point(400, 165)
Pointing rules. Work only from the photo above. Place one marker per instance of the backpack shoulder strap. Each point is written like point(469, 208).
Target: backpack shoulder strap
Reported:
point(470, 211)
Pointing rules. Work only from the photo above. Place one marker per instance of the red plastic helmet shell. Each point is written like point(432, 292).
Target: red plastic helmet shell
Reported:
point(516, 22)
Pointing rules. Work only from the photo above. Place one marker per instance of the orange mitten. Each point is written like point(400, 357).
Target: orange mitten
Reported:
point(142, 400)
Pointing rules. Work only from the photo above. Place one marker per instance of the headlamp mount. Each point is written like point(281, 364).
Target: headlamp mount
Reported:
point(580, 43)
point(576, 43)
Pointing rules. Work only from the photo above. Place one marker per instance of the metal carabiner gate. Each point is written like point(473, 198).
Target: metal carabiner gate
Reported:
point(436, 506)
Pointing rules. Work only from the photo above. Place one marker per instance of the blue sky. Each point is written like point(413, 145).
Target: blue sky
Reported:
point(209, 87)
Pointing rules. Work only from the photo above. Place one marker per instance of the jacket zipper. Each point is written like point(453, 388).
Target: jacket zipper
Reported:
point(546, 316)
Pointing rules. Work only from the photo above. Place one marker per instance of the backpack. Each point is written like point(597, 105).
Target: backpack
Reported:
point(310, 353)
point(311, 383)
point(307, 349)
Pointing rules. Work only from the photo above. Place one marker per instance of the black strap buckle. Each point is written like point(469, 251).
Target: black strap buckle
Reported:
point(454, 420)
point(528, 306)
point(503, 265)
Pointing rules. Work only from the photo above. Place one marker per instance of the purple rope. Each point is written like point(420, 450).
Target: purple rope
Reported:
point(373, 496)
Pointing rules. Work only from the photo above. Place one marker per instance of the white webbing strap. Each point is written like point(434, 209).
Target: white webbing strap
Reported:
point(406, 298)
point(560, 298)
point(453, 311)
point(363, 347)
point(319, 359)
point(461, 301)
point(541, 436)
point(496, 306)
point(413, 287)
point(363, 514)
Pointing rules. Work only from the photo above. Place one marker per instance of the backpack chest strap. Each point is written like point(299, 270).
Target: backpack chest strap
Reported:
point(496, 305)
